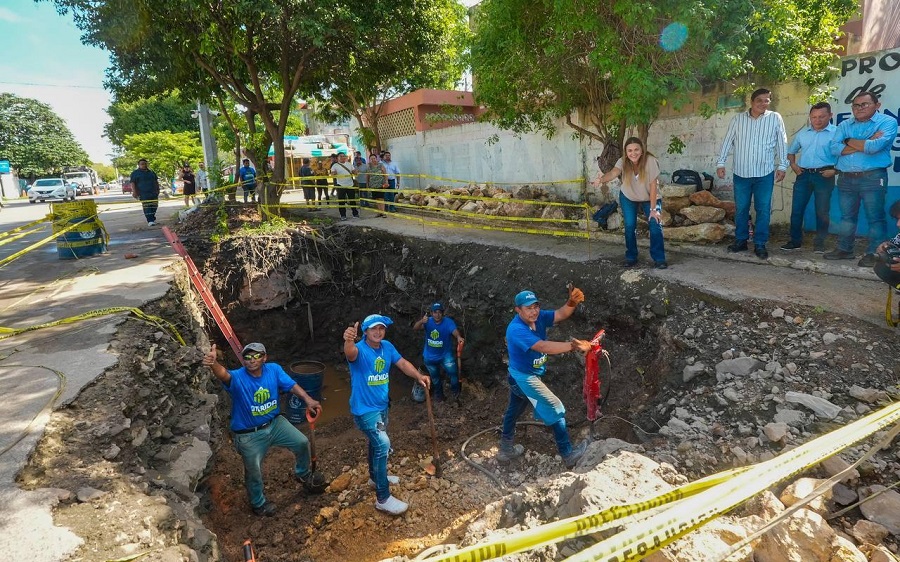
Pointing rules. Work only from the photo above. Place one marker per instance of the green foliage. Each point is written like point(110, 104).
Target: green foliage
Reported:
point(146, 115)
point(221, 230)
point(395, 48)
point(35, 139)
point(535, 62)
point(273, 225)
point(105, 171)
point(676, 145)
point(165, 152)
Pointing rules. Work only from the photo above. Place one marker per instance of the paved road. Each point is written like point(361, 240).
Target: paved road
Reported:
point(50, 366)
point(40, 287)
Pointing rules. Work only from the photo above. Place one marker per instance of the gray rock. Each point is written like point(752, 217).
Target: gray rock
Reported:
point(778, 313)
point(692, 371)
point(190, 464)
point(793, 418)
point(835, 465)
point(828, 338)
point(732, 394)
point(869, 395)
point(112, 452)
point(842, 495)
point(88, 494)
point(821, 407)
point(884, 509)
point(740, 367)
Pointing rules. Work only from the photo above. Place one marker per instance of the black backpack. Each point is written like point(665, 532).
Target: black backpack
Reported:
point(687, 177)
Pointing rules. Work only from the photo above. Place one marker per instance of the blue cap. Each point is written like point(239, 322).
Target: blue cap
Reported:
point(526, 298)
point(376, 320)
point(437, 306)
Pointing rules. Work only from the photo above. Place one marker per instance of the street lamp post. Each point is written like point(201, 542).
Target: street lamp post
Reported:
point(206, 139)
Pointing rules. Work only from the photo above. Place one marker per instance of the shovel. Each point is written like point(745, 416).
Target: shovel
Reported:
point(312, 437)
point(435, 467)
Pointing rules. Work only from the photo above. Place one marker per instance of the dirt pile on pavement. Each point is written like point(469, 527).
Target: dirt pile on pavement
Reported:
point(696, 383)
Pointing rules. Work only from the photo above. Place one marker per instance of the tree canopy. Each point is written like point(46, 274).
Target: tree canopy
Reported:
point(145, 115)
point(617, 63)
point(35, 139)
point(165, 151)
point(399, 47)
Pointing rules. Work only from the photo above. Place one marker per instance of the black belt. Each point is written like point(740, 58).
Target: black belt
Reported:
point(863, 173)
point(818, 170)
point(255, 429)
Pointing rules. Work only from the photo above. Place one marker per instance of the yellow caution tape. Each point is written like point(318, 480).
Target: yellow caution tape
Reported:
point(40, 243)
point(647, 536)
point(581, 525)
point(9, 239)
point(697, 503)
point(161, 322)
point(24, 226)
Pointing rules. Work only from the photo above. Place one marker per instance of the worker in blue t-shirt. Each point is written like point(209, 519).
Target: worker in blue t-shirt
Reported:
point(438, 350)
point(528, 348)
point(247, 175)
point(370, 363)
point(257, 424)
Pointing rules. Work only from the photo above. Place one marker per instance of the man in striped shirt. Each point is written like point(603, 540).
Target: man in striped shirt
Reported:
point(760, 159)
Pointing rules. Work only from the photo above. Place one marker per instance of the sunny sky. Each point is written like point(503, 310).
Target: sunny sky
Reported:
point(43, 58)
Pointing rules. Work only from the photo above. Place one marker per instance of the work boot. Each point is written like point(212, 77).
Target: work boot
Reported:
point(572, 458)
point(267, 509)
point(313, 482)
point(509, 451)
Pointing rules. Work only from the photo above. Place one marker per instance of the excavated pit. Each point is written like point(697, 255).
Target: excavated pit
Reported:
point(296, 288)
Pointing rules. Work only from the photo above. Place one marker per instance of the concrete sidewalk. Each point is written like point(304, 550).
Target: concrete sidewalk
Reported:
point(43, 369)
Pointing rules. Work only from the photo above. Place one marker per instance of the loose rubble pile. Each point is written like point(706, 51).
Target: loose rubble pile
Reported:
point(687, 214)
point(490, 201)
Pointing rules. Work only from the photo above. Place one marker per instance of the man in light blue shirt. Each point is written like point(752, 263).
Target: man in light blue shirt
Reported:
point(815, 175)
point(862, 145)
point(393, 177)
point(760, 147)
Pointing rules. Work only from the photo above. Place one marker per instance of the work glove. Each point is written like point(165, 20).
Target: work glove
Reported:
point(576, 297)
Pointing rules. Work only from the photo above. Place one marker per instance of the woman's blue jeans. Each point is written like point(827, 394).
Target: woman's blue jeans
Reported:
point(629, 216)
point(448, 362)
point(253, 447)
point(547, 408)
point(374, 425)
point(760, 191)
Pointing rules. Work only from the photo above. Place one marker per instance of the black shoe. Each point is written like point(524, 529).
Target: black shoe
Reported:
point(791, 245)
point(313, 482)
point(629, 263)
point(661, 265)
point(265, 510)
point(819, 248)
point(868, 260)
point(838, 254)
point(761, 252)
point(738, 246)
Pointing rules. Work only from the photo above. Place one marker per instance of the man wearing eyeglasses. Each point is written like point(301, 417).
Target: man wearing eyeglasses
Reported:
point(257, 424)
point(863, 147)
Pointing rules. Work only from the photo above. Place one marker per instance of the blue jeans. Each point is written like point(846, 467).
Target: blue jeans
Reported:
point(760, 190)
point(374, 425)
point(253, 447)
point(150, 206)
point(389, 196)
point(547, 408)
point(870, 189)
point(808, 185)
point(629, 216)
point(448, 362)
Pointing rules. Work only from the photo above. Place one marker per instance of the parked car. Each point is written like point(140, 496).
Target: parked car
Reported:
point(126, 186)
point(51, 188)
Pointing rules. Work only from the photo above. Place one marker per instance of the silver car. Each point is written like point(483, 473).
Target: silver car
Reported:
point(51, 188)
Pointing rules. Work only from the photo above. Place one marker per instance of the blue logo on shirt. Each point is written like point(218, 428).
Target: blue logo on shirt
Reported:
point(539, 362)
